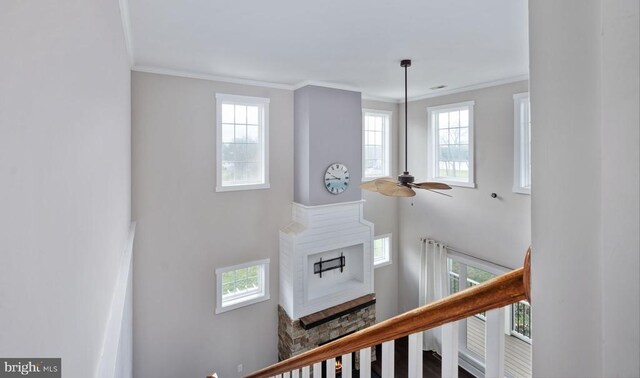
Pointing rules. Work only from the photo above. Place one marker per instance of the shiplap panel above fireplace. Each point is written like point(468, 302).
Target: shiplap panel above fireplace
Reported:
point(324, 231)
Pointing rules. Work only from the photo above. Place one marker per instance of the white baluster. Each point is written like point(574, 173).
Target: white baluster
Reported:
point(415, 355)
point(286, 375)
point(365, 363)
point(317, 370)
point(347, 367)
point(450, 350)
point(305, 372)
point(295, 373)
point(494, 344)
point(388, 359)
point(331, 368)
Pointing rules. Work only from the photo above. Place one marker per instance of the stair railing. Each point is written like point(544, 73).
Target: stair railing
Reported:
point(498, 292)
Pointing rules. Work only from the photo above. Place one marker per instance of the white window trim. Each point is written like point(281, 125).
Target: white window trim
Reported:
point(264, 295)
point(386, 140)
point(390, 260)
point(467, 356)
point(241, 100)
point(434, 145)
point(518, 144)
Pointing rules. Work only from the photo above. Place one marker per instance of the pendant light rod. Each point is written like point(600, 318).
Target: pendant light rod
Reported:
point(405, 63)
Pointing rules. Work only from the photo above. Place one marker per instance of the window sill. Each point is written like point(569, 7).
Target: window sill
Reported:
point(233, 188)
point(460, 184)
point(381, 264)
point(521, 190)
point(238, 303)
point(369, 178)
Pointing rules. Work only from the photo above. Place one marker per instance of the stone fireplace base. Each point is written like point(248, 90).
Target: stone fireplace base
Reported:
point(327, 325)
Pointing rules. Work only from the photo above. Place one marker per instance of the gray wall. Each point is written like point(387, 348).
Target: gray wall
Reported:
point(185, 230)
point(328, 130)
point(584, 93)
point(494, 229)
point(383, 212)
point(65, 177)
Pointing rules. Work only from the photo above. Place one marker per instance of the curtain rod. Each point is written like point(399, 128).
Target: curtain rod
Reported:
point(428, 240)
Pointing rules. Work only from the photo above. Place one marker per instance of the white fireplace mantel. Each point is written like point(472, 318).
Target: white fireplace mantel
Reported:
point(325, 232)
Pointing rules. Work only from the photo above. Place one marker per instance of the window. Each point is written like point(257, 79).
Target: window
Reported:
point(376, 135)
point(382, 250)
point(466, 272)
point(522, 144)
point(242, 142)
point(451, 137)
point(242, 285)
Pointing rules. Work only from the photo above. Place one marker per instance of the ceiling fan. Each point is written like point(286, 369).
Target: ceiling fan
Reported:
point(404, 186)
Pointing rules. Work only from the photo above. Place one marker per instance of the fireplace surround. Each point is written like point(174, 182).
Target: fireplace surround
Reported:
point(326, 276)
point(322, 233)
point(295, 337)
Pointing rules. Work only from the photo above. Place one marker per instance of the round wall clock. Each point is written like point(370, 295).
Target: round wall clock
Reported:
point(336, 178)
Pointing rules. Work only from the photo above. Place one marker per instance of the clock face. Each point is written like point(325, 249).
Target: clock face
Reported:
point(336, 178)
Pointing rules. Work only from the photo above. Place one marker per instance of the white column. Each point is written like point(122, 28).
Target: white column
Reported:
point(347, 366)
point(365, 363)
point(305, 372)
point(494, 344)
point(388, 359)
point(415, 355)
point(295, 373)
point(450, 350)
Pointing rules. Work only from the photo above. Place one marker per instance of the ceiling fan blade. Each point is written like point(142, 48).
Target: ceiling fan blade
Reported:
point(432, 185)
point(371, 185)
point(393, 189)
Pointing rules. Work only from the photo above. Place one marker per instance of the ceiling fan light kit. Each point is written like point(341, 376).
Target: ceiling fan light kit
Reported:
point(404, 185)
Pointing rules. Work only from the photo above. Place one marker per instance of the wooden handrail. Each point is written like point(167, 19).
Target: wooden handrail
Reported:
point(498, 292)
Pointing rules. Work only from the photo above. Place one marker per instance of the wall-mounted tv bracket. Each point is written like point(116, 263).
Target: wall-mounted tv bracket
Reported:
point(324, 266)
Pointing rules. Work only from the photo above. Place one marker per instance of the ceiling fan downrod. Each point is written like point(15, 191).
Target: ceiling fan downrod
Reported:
point(405, 178)
point(404, 185)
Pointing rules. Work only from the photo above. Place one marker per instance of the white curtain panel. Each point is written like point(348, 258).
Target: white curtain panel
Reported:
point(434, 285)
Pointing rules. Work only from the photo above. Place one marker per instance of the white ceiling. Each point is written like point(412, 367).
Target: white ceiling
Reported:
point(355, 43)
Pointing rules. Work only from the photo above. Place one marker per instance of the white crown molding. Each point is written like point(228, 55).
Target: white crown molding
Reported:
point(224, 79)
point(233, 80)
point(344, 87)
point(380, 99)
point(326, 84)
point(337, 204)
point(468, 88)
point(126, 28)
point(258, 83)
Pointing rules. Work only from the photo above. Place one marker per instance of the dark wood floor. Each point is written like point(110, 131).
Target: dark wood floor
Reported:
point(431, 364)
